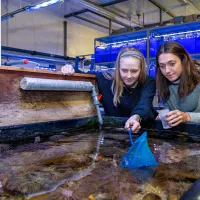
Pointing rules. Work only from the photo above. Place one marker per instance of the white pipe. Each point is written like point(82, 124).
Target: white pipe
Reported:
point(27, 83)
point(108, 13)
point(16, 62)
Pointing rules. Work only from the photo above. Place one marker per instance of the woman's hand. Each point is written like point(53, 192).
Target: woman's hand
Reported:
point(176, 117)
point(134, 122)
point(67, 70)
point(158, 117)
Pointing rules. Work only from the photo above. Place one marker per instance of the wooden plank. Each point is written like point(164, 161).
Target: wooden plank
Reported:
point(18, 69)
point(22, 107)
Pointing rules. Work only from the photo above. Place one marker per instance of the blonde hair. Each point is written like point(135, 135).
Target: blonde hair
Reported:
point(117, 84)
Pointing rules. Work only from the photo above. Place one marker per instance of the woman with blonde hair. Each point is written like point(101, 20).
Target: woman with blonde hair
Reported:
point(127, 91)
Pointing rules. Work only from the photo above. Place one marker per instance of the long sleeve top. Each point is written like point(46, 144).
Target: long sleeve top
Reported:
point(136, 100)
point(189, 104)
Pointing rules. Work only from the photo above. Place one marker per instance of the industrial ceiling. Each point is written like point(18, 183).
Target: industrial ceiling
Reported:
point(115, 14)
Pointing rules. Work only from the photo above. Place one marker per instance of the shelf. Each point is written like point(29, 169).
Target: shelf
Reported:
point(105, 63)
point(123, 37)
point(156, 32)
point(35, 59)
point(195, 55)
point(192, 55)
point(38, 71)
point(192, 26)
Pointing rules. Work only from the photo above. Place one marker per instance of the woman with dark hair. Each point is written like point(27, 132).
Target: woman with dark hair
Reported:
point(178, 83)
point(126, 91)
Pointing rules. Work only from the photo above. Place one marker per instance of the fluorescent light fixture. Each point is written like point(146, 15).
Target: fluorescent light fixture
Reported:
point(29, 8)
point(43, 5)
point(6, 17)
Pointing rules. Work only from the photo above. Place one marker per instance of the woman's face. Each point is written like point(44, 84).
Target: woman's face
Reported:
point(129, 70)
point(170, 66)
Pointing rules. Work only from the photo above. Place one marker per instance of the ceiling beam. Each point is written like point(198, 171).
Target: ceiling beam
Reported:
point(194, 4)
point(108, 13)
point(113, 20)
point(92, 22)
point(162, 8)
point(87, 10)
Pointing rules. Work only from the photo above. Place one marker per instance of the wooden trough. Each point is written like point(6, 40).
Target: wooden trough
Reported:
point(25, 107)
point(27, 114)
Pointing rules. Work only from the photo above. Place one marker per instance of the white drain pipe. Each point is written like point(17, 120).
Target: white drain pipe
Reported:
point(27, 83)
point(107, 13)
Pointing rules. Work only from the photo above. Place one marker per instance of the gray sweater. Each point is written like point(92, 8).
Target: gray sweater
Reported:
point(189, 104)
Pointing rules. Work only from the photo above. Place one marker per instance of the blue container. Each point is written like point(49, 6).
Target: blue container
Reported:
point(142, 46)
point(197, 44)
point(52, 67)
point(102, 54)
point(108, 49)
point(188, 44)
point(152, 70)
point(154, 46)
point(115, 49)
point(132, 44)
point(99, 54)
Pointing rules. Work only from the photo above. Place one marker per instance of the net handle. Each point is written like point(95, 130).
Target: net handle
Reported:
point(130, 135)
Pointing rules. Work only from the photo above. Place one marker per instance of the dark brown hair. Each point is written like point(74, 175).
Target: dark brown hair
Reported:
point(189, 77)
point(117, 85)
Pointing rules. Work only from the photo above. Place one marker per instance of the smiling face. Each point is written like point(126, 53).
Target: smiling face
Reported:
point(130, 68)
point(170, 66)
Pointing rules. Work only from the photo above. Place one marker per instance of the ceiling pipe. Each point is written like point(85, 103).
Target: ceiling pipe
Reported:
point(162, 8)
point(194, 4)
point(108, 13)
point(114, 2)
point(92, 22)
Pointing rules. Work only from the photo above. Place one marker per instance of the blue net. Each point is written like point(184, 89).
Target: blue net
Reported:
point(142, 174)
point(139, 155)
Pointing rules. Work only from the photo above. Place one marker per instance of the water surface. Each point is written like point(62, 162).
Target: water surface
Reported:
point(84, 165)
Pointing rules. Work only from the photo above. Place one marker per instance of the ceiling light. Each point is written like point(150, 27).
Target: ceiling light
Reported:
point(42, 5)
